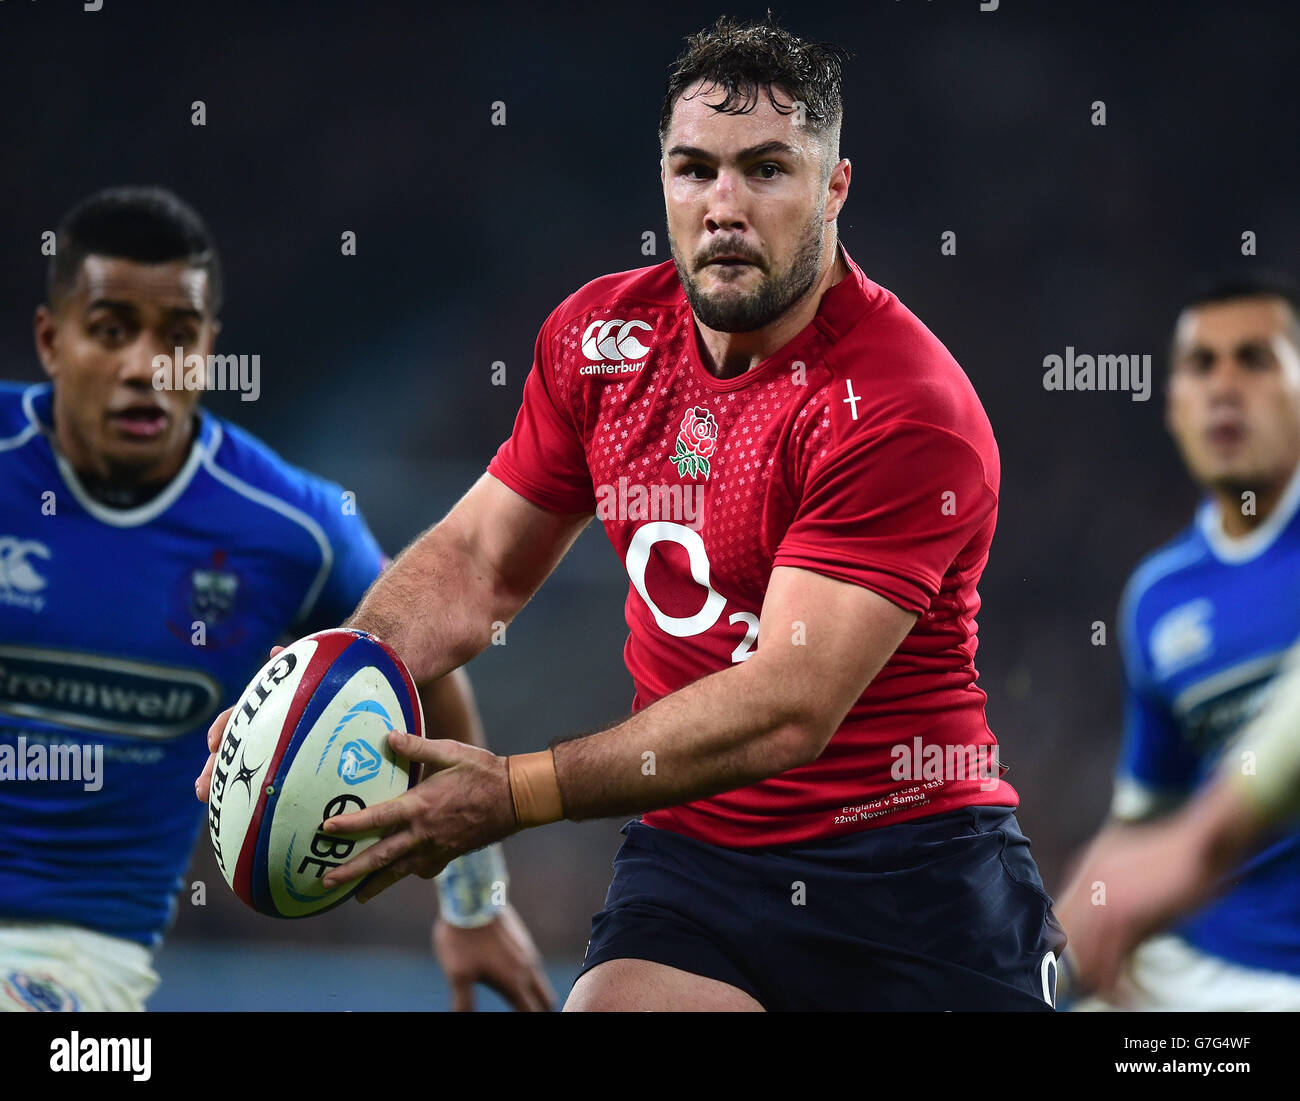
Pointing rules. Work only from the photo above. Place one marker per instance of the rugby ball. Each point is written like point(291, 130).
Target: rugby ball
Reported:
point(307, 740)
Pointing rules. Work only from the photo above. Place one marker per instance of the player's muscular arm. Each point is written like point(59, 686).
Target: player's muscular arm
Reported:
point(436, 604)
point(768, 714)
point(761, 717)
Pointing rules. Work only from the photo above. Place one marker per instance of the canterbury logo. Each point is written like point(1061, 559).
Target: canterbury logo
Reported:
point(16, 572)
point(614, 340)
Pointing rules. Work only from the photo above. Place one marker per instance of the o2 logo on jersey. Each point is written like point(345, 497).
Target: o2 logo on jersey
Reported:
point(638, 557)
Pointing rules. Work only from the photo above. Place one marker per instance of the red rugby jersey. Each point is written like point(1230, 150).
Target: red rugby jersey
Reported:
point(859, 450)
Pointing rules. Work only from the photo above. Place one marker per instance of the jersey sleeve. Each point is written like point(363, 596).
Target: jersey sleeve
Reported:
point(544, 459)
point(1155, 768)
point(355, 561)
point(891, 512)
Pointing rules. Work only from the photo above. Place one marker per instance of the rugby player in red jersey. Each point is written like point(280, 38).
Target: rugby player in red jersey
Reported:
point(802, 485)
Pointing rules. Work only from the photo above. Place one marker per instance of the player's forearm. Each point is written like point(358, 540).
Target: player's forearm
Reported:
point(1211, 835)
point(1215, 830)
point(1221, 826)
point(722, 732)
point(436, 604)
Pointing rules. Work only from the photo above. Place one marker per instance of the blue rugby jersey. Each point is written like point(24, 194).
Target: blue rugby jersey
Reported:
point(130, 629)
point(1204, 624)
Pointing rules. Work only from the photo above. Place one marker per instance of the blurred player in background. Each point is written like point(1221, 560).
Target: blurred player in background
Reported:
point(150, 555)
point(1205, 625)
point(801, 609)
point(1157, 873)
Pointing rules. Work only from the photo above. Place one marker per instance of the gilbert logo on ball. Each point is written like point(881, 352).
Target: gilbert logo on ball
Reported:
point(307, 740)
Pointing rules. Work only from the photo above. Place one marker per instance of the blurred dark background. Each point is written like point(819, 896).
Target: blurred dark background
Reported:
point(376, 369)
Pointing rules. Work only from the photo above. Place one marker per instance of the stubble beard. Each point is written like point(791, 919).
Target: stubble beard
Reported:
point(729, 312)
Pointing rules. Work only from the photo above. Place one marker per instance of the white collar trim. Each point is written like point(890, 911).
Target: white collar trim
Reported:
point(118, 517)
point(1246, 548)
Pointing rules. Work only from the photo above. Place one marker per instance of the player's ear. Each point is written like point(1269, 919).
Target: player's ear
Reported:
point(45, 330)
point(837, 188)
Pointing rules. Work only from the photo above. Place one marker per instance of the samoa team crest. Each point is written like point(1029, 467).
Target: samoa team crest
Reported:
point(206, 598)
point(213, 590)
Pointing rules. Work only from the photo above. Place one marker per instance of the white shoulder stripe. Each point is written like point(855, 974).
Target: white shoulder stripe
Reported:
point(1155, 569)
point(275, 504)
point(17, 441)
point(33, 428)
point(1226, 680)
point(1160, 566)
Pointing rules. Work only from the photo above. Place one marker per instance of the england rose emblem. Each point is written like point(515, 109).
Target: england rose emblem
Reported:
point(696, 442)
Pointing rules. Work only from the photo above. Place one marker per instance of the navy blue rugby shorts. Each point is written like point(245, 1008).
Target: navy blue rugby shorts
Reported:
point(941, 913)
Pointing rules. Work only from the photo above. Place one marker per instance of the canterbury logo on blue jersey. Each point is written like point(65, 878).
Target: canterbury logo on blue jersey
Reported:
point(20, 581)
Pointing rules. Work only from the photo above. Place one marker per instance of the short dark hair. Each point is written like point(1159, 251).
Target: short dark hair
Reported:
point(1268, 284)
point(1235, 287)
point(744, 58)
point(150, 225)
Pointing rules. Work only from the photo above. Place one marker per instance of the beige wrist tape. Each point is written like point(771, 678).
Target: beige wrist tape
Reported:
point(534, 788)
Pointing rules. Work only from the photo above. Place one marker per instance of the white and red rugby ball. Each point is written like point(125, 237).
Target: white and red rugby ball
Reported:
point(307, 740)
